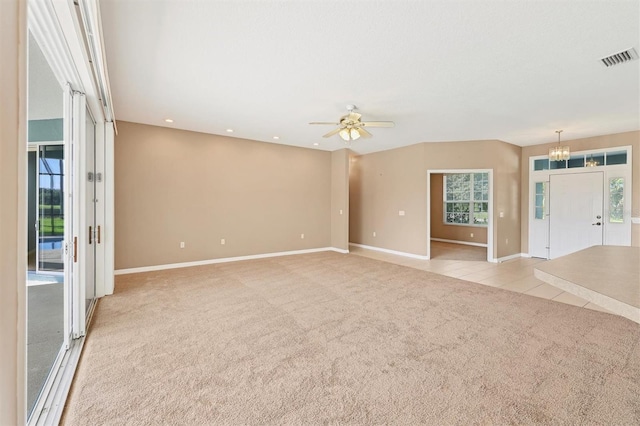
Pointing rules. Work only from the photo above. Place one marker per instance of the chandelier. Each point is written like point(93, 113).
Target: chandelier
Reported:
point(559, 153)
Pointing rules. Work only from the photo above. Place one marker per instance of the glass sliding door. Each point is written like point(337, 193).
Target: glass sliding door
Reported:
point(63, 239)
point(50, 223)
point(47, 287)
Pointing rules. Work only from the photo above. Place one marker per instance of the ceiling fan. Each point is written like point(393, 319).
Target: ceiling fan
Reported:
point(351, 128)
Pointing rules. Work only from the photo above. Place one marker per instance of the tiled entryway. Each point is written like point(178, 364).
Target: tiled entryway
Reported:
point(514, 275)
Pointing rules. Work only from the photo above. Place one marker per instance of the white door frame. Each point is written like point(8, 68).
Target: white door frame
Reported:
point(57, 29)
point(490, 227)
point(622, 234)
point(55, 26)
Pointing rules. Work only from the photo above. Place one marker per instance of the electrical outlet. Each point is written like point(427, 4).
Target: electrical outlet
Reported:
point(472, 235)
point(222, 241)
point(340, 211)
point(181, 244)
point(506, 241)
point(302, 236)
point(374, 233)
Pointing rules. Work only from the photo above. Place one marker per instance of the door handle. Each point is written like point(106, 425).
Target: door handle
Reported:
point(90, 235)
point(597, 224)
point(98, 239)
point(75, 249)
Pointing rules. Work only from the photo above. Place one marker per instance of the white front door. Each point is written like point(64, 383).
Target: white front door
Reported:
point(575, 212)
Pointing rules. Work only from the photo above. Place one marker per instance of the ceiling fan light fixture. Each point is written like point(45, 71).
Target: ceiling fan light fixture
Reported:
point(351, 128)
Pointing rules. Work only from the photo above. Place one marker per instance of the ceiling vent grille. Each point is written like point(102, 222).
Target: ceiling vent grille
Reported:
point(620, 57)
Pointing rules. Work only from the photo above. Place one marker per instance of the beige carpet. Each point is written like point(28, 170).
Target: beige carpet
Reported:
point(341, 339)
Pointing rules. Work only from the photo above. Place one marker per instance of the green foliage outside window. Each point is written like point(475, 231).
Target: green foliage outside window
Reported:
point(616, 200)
point(466, 199)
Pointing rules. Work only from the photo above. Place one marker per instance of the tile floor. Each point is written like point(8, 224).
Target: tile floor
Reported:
point(514, 275)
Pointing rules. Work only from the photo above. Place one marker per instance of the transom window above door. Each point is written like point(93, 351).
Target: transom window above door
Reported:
point(586, 159)
point(466, 199)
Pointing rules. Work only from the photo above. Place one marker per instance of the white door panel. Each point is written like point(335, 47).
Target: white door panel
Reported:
point(79, 224)
point(575, 212)
point(89, 211)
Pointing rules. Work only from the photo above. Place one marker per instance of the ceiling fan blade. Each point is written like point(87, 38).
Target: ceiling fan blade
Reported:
point(364, 133)
point(324, 122)
point(333, 132)
point(378, 123)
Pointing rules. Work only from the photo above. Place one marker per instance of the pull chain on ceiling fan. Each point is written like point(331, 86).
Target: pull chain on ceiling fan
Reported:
point(350, 128)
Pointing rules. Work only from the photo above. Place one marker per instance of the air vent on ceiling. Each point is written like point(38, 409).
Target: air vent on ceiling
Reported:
point(620, 57)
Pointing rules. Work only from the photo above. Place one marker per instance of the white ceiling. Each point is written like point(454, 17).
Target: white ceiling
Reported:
point(442, 70)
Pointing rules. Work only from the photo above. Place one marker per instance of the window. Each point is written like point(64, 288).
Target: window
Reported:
point(593, 159)
point(540, 199)
point(576, 161)
point(618, 157)
point(541, 164)
point(596, 159)
point(616, 200)
point(466, 199)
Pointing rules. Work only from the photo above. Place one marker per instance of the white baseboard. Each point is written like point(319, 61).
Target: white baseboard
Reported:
point(222, 260)
point(466, 243)
point(505, 258)
point(338, 250)
point(384, 250)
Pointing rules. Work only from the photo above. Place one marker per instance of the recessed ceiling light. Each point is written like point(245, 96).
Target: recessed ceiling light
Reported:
point(168, 120)
point(230, 130)
point(276, 137)
point(316, 144)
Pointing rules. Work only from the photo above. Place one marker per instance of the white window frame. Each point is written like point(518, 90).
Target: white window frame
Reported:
point(471, 201)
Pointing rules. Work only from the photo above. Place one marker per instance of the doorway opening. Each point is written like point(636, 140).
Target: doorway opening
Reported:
point(61, 217)
point(460, 214)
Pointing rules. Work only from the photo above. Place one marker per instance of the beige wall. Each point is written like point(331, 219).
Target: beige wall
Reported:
point(439, 229)
point(174, 185)
point(381, 184)
point(13, 214)
point(597, 142)
point(340, 199)
point(385, 182)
